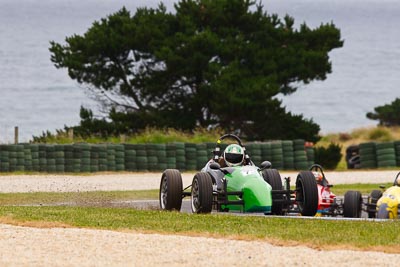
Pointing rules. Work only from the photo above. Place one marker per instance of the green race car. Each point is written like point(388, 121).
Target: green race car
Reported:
point(230, 181)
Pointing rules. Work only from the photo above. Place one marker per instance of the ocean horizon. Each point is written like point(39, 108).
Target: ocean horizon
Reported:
point(37, 97)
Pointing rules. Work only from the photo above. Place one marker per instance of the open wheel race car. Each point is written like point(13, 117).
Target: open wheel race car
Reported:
point(386, 204)
point(241, 187)
point(329, 204)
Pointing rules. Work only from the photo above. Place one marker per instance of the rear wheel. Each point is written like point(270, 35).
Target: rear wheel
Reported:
point(170, 195)
point(373, 199)
point(352, 204)
point(307, 193)
point(273, 178)
point(202, 193)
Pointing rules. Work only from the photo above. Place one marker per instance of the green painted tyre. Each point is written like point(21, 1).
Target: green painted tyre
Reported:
point(386, 151)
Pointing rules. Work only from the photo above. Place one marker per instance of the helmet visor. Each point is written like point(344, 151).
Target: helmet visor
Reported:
point(234, 157)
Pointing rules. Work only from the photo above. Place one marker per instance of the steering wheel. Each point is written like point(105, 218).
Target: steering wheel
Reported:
point(230, 136)
point(396, 182)
point(217, 151)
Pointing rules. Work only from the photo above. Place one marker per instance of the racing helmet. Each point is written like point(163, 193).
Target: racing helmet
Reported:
point(233, 155)
point(318, 176)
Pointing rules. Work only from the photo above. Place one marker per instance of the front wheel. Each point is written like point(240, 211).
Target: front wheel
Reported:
point(307, 193)
point(170, 194)
point(352, 204)
point(383, 212)
point(202, 193)
point(373, 199)
point(273, 178)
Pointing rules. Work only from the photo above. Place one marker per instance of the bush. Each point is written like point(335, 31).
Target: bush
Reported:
point(380, 134)
point(328, 157)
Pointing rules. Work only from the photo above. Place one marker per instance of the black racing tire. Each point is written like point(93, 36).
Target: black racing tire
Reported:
point(383, 212)
point(170, 194)
point(273, 178)
point(373, 198)
point(202, 193)
point(353, 161)
point(307, 193)
point(352, 204)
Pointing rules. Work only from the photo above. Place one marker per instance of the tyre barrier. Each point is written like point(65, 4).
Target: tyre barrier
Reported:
point(378, 154)
point(85, 157)
point(300, 155)
point(277, 155)
point(255, 152)
point(368, 155)
point(288, 154)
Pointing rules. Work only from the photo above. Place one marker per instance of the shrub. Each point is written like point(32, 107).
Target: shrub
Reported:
point(380, 134)
point(328, 157)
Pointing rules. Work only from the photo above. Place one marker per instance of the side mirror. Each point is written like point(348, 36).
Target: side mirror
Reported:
point(215, 166)
point(265, 165)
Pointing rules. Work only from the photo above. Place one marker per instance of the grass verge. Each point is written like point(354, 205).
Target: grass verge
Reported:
point(316, 233)
point(103, 198)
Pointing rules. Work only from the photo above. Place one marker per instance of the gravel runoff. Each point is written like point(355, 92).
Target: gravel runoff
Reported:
point(26, 246)
point(57, 246)
point(150, 180)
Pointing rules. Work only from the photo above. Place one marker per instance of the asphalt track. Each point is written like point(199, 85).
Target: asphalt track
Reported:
point(154, 205)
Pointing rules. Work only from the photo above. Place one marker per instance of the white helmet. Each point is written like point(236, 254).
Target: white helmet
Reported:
point(233, 155)
point(318, 176)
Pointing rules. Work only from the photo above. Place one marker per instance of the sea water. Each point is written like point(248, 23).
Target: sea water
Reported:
point(36, 97)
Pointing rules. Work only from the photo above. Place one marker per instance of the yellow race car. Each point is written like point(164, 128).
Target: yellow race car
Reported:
point(385, 205)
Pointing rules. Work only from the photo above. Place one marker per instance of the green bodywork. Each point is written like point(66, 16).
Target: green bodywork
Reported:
point(256, 192)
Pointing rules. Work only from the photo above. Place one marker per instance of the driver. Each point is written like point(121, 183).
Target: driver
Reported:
point(233, 156)
point(318, 177)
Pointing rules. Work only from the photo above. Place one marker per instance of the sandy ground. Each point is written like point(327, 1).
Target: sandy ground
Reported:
point(56, 246)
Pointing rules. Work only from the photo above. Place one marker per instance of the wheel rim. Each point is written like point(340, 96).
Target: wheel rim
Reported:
point(300, 196)
point(164, 193)
point(359, 207)
point(195, 196)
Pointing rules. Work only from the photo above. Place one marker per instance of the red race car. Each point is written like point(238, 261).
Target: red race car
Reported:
point(329, 204)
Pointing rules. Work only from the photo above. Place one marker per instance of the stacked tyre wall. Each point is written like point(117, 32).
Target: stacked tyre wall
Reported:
point(84, 157)
point(379, 155)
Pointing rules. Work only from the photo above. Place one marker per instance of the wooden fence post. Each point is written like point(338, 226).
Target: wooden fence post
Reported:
point(123, 138)
point(16, 135)
point(71, 134)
